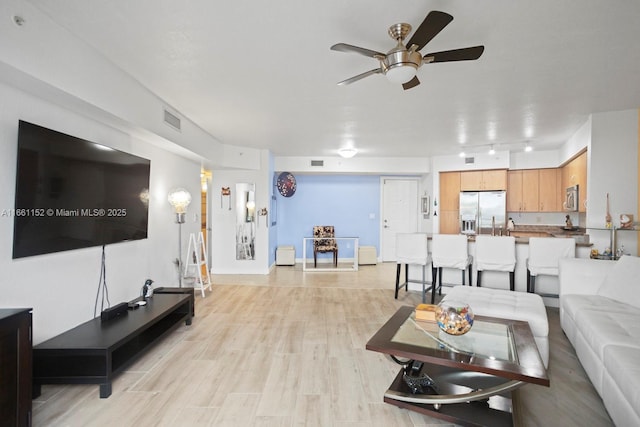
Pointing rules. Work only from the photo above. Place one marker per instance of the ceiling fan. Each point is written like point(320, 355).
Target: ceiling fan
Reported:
point(401, 63)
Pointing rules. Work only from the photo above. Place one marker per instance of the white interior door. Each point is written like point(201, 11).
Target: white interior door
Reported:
point(399, 212)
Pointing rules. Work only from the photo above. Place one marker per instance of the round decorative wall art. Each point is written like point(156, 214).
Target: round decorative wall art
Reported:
point(286, 184)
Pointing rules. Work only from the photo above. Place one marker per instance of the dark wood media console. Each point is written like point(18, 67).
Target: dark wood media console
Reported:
point(95, 351)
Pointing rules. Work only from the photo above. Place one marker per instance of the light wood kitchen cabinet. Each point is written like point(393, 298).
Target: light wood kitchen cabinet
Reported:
point(522, 194)
point(449, 209)
point(549, 194)
point(530, 190)
point(575, 173)
point(470, 180)
point(514, 191)
point(483, 180)
point(449, 222)
point(449, 191)
point(494, 179)
point(535, 190)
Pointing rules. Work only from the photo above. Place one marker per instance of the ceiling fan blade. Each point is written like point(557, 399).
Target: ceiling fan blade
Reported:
point(411, 83)
point(343, 47)
point(465, 54)
point(430, 27)
point(361, 76)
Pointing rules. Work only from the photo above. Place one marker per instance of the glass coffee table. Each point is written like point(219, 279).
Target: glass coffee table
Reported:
point(470, 379)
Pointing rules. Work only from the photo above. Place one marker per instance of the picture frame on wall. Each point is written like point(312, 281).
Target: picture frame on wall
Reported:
point(425, 205)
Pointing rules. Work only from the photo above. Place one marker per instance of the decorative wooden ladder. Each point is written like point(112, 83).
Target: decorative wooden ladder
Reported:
point(197, 258)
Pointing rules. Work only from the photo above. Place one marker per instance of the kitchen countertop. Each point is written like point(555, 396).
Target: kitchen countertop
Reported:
point(550, 230)
point(554, 230)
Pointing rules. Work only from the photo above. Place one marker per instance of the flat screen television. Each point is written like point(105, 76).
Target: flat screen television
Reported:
point(72, 193)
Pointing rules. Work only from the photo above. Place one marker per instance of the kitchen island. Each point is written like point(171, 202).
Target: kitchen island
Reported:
point(494, 279)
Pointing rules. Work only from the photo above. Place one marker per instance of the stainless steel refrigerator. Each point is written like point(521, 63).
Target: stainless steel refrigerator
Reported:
point(483, 212)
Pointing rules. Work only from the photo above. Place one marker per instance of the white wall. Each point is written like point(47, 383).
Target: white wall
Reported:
point(578, 141)
point(61, 288)
point(613, 169)
point(223, 252)
point(355, 165)
point(45, 51)
point(536, 159)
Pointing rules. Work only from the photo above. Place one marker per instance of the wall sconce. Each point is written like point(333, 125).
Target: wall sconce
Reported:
point(180, 200)
point(251, 210)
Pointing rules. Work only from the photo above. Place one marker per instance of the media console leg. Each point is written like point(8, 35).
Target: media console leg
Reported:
point(105, 390)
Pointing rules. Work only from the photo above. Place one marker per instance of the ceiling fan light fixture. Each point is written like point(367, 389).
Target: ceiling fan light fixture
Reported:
point(401, 73)
point(492, 151)
point(347, 153)
point(401, 65)
point(528, 148)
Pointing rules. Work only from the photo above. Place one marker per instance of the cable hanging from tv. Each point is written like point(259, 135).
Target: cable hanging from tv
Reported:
point(102, 287)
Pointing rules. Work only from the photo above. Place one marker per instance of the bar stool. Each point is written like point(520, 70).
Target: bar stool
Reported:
point(496, 253)
point(544, 254)
point(449, 251)
point(412, 249)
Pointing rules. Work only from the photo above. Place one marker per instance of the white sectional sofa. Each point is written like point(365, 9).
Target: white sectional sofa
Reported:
point(600, 314)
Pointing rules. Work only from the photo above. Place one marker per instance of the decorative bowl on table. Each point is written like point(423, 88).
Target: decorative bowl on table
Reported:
point(454, 318)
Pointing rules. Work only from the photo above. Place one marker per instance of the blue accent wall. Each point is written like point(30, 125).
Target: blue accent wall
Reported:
point(344, 201)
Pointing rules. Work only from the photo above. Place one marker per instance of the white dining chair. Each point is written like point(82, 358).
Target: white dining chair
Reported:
point(496, 253)
point(412, 249)
point(544, 255)
point(449, 251)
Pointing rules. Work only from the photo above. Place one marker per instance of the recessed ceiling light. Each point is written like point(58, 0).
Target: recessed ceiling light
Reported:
point(347, 153)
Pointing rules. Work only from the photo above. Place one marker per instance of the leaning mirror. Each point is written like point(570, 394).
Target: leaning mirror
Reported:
point(245, 221)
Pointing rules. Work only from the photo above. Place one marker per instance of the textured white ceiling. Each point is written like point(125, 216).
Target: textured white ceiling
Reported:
point(260, 73)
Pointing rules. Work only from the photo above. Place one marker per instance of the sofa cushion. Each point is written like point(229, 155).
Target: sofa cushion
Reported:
point(621, 282)
point(610, 323)
point(621, 365)
point(504, 304)
point(572, 304)
point(508, 305)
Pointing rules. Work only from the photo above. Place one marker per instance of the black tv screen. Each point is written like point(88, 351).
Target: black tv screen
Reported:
point(72, 193)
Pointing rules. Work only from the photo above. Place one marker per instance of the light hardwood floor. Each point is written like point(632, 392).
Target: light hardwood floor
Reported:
point(287, 349)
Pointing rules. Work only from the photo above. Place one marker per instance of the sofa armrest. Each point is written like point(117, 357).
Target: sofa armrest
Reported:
point(582, 276)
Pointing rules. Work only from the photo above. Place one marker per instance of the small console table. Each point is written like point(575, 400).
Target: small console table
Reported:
point(95, 351)
point(306, 240)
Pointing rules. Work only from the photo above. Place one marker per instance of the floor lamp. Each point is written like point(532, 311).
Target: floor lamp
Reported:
point(180, 199)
